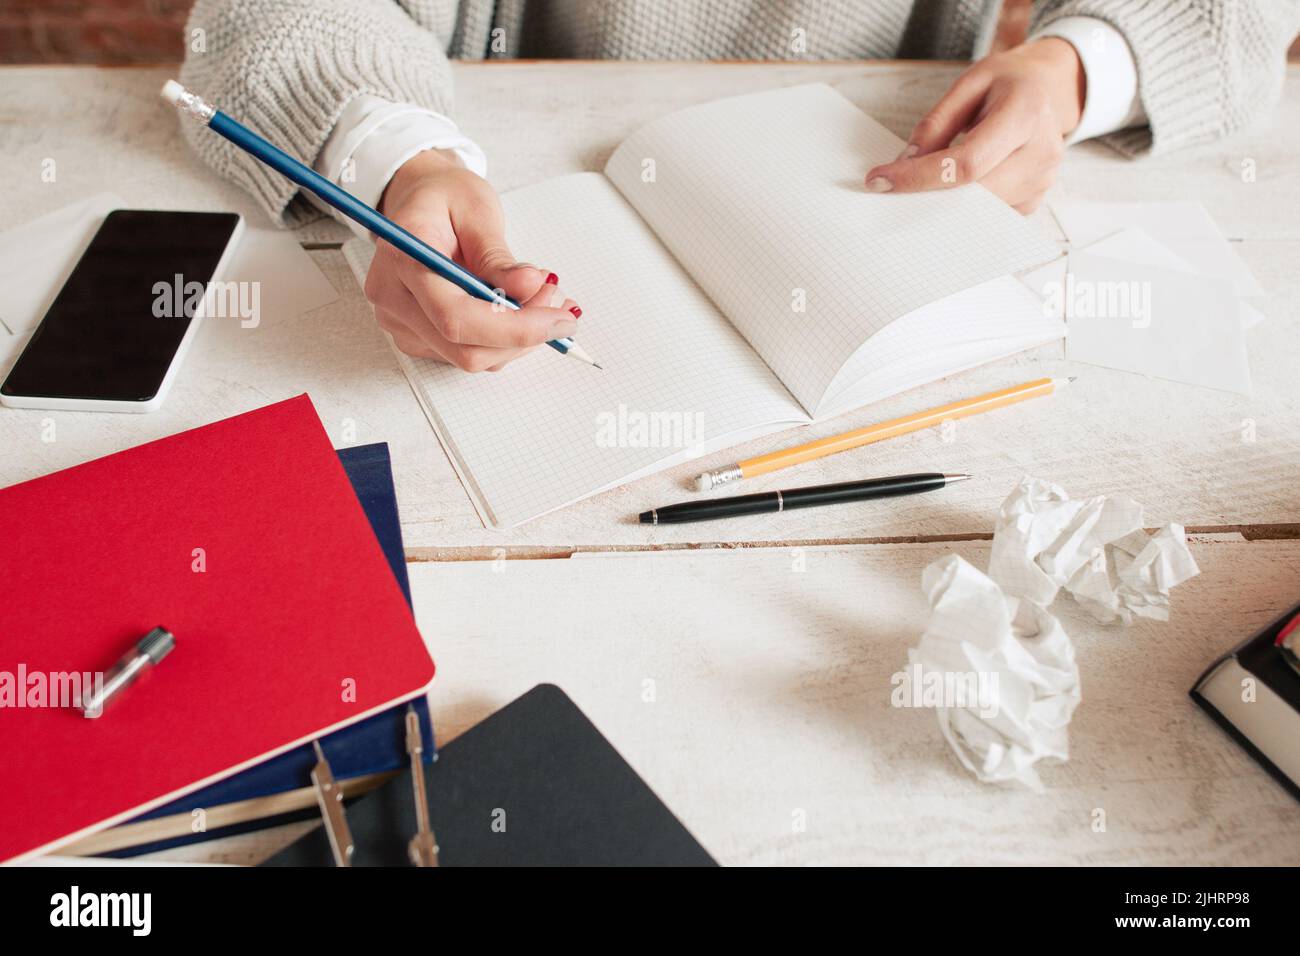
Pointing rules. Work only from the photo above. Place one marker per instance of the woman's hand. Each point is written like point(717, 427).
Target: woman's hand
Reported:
point(1015, 109)
point(457, 213)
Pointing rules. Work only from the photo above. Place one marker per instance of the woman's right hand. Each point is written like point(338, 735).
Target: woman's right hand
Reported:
point(433, 196)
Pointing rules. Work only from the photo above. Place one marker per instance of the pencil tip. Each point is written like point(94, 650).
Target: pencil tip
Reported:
point(598, 365)
point(951, 478)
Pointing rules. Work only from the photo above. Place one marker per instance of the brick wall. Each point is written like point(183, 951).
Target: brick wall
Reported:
point(92, 31)
point(150, 31)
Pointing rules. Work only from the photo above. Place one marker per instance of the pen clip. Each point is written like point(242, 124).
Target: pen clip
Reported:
point(330, 797)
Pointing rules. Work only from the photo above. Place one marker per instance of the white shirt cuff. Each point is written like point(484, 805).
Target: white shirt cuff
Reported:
point(1112, 102)
point(374, 137)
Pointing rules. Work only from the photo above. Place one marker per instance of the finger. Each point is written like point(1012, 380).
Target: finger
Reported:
point(411, 345)
point(406, 319)
point(1011, 182)
point(520, 280)
point(1026, 175)
point(404, 337)
point(990, 141)
point(384, 288)
point(955, 111)
point(427, 344)
point(476, 358)
point(464, 320)
point(481, 237)
point(1030, 205)
point(415, 335)
point(551, 296)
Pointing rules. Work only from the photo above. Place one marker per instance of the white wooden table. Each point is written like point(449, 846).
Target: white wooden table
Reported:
point(1188, 794)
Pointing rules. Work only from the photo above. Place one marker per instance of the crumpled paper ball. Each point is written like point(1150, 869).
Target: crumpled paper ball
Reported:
point(1095, 548)
point(996, 626)
point(1019, 658)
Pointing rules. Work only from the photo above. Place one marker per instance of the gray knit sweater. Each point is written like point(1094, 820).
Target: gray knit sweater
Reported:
point(287, 68)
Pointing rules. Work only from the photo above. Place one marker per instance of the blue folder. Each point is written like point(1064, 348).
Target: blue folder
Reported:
point(374, 745)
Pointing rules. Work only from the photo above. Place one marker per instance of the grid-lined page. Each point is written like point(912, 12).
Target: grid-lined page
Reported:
point(977, 325)
point(547, 430)
point(761, 198)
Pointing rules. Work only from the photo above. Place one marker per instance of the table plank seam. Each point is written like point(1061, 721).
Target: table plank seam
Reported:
point(1246, 533)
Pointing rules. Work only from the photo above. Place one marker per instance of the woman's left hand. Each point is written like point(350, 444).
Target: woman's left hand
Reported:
point(1014, 109)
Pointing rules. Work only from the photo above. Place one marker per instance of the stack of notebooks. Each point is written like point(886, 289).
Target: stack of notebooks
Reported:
point(287, 592)
point(361, 756)
point(292, 625)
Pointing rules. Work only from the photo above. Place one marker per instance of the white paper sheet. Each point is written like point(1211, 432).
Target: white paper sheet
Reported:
point(1153, 321)
point(1136, 245)
point(37, 257)
point(289, 281)
point(1185, 227)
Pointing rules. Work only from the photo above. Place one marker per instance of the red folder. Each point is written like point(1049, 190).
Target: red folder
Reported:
point(288, 621)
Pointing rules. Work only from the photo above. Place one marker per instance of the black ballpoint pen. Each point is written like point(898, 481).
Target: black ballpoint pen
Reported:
point(768, 501)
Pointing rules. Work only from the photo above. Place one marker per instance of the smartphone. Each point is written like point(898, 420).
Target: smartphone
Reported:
point(117, 331)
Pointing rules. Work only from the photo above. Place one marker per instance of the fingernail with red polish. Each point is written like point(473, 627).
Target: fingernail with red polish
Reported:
point(552, 279)
point(577, 312)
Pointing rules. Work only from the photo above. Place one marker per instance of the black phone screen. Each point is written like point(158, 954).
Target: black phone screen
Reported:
point(115, 326)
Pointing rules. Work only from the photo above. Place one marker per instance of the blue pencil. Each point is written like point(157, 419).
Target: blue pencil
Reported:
point(348, 204)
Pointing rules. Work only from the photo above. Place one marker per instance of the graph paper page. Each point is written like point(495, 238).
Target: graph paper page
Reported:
point(989, 321)
point(761, 197)
point(547, 430)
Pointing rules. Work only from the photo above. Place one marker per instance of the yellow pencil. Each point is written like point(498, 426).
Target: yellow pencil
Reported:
point(786, 457)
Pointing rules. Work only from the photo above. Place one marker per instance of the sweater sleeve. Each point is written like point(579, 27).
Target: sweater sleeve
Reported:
point(1206, 68)
point(287, 68)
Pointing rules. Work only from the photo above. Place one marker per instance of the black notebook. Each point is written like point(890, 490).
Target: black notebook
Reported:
point(535, 784)
point(1254, 694)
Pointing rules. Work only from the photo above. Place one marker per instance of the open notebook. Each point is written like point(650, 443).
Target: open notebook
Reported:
point(735, 279)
